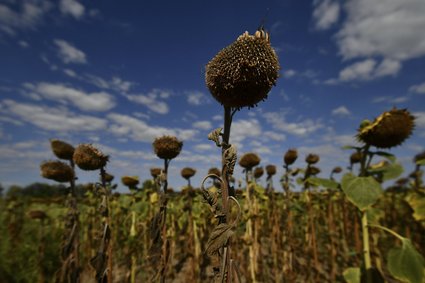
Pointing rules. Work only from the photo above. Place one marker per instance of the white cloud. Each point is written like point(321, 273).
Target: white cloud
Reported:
point(325, 14)
point(70, 73)
point(243, 129)
point(358, 71)
point(138, 130)
point(69, 53)
point(29, 15)
point(72, 7)
point(419, 119)
point(53, 119)
point(196, 98)
point(388, 67)
point(97, 101)
point(392, 29)
point(150, 100)
point(203, 125)
point(115, 83)
point(278, 122)
point(289, 73)
point(341, 111)
point(419, 88)
point(204, 146)
point(366, 70)
point(390, 99)
point(217, 117)
point(23, 44)
point(274, 136)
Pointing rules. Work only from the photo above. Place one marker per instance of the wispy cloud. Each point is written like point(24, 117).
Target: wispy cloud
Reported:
point(152, 100)
point(202, 125)
point(367, 70)
point(390, 99)
point(52, 118)
point(341, 111)
point(197, 98)
point(97, 101)
point(419, 88)
point(325, 13)
point(138, 130)
point(68, 53)
point(72, 8)
point(28, 15)
point(278, 121)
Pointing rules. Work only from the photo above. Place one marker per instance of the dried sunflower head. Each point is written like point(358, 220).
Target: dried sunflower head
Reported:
point(355, 157)
point(243, 73)
point(130, 181)
point(258, 172)
point(57, 171)
point(271, 170)
point(290, 156)
point(214, 171)
point(87, 157)
point(167, 147)
point(419, 156)
point(390, 129)
point(155, 172)
point(312, 158)
point(188, 172)
point(108, 177)
point(61, 149)
point(249, 160)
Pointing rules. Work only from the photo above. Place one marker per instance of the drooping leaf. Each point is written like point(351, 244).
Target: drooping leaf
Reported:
point(405, 263)
point(230, 156)
point(361, 191)
point(417, 203)
point(218, 238)
point(352, 275)
point(215, 136)
point(326, 183)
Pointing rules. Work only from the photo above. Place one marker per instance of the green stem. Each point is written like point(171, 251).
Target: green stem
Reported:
point(133, 256)
point(387, 230)
point(366, 248)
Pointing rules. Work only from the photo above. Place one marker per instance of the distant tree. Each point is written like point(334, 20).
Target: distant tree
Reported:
point(14, 191)
point(1, 190)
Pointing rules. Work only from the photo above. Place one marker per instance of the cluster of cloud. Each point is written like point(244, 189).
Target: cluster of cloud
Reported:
point(30, 14)
point(382, 34)
point(97, 101)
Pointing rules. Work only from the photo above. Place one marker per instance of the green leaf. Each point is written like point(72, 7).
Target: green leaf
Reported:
point(326, 183)
point(374, 215)
point(352, 275)
point(420, 162)
point(388, 171)
point(405, 263)
point(361, 191)
point(389, 156)
point(350, 147)
point(417, 203)
point(299, 181)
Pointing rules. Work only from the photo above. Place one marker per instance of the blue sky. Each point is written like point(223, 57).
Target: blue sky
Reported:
point(120, 73)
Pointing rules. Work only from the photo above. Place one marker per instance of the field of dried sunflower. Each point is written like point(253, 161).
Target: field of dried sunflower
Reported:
point(310, 230)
